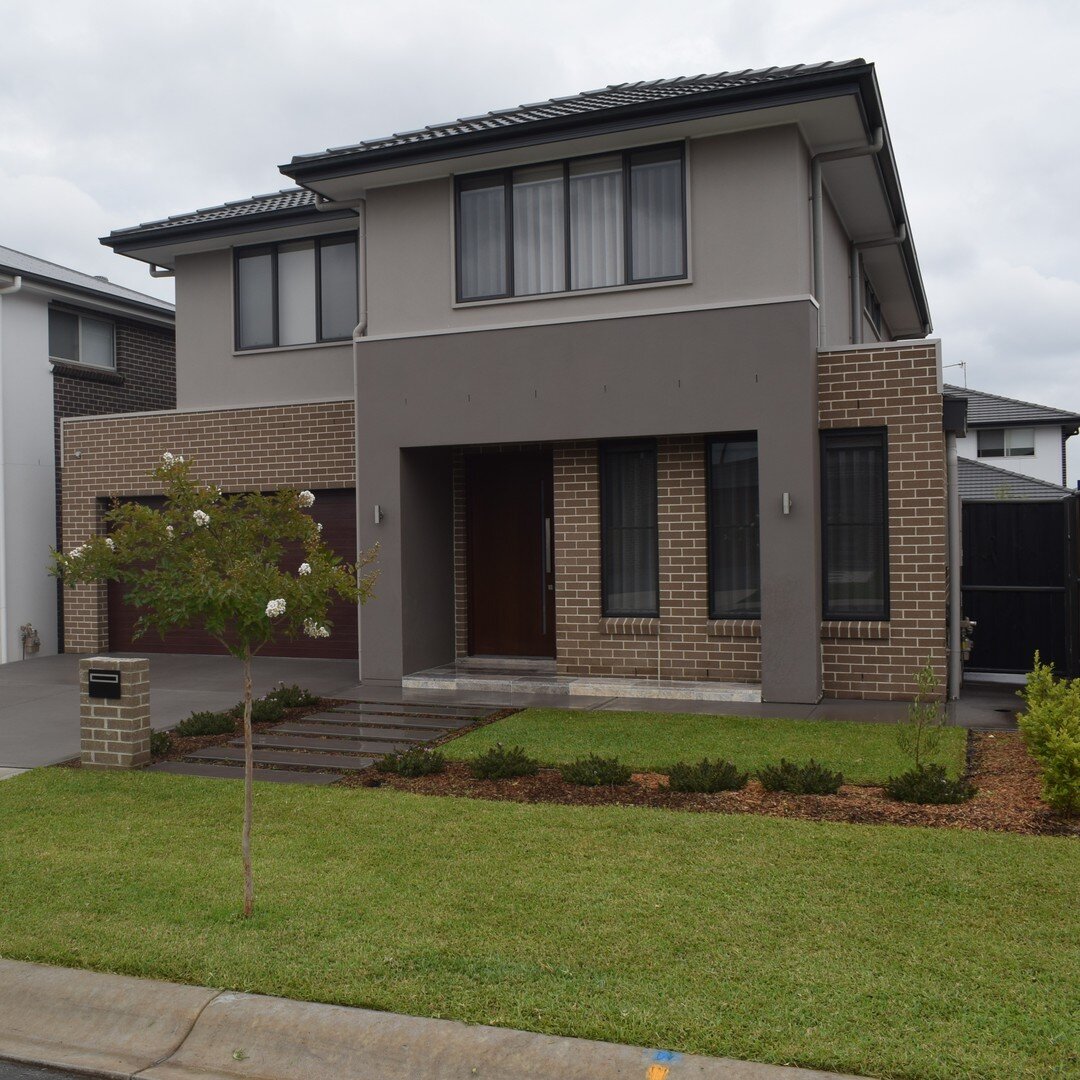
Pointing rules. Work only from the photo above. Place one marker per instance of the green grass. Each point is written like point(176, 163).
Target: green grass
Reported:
point(893, 952)
point(864, 753)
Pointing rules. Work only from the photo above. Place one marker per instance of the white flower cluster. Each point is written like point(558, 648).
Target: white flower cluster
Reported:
point(168, 460)
point(202, 519)
point(76, 552)
point(110, 543)
point(169, 531)
point(304, 569)
point(314, 629)
point(305, 499)
point(275, 608)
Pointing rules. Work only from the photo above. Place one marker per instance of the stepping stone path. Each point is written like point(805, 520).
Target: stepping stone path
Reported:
point(320, 748)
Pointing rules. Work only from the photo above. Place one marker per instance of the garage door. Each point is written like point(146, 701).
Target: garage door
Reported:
point(337, 512)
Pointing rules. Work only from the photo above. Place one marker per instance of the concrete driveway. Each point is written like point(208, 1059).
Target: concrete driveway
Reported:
point(39, 698)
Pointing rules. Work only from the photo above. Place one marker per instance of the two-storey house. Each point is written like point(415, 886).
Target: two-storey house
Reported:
point(631, 384)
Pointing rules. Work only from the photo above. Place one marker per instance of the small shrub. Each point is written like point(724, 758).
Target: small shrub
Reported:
point(414, 762)
point(160, 743)
point(592, 771)
point(808, 779)
point(920, 735)
point(263, 710)
point(293, 697)
point(206, 723)
point(928, 784)
point(707, 776)
point(1051, 729)
point(498, 763)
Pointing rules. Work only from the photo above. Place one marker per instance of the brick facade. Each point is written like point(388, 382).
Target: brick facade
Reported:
point(895, 387)
point(252, 449)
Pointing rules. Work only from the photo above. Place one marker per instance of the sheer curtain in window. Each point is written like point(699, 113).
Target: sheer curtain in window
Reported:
point(539, 231)
point(629, 530)
point(596, 223)
point(482, 239)
point(296, 293)
point(656, 215)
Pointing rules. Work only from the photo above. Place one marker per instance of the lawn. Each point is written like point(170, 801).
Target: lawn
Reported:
point(865, 753)
point(893, 952)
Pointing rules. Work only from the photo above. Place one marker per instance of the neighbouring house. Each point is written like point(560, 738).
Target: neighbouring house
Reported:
point(70, 345)
point(635, 384)
point(1021, 536)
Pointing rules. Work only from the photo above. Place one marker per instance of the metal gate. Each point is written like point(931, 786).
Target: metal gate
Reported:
point(1019, 583)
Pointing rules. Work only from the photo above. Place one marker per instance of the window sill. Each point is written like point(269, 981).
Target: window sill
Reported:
point(855, 630)
point(636, 287)
point(293, 348)
point(86, 372)
point(734, 628)
point(629, 626)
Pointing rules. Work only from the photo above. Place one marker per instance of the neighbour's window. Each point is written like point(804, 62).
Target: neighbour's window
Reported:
point(1007, 442)
point(734, 560)
point(588, 223)
point(296, 293)
point(628, 529)
point(80, 339)
point(855, 524)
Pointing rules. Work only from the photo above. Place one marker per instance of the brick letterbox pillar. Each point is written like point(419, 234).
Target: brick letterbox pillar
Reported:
point(115, 730)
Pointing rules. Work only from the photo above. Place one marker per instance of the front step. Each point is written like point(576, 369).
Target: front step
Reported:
point(297, 759)
point(273, 741)
point(228, 772)
point(436, 725)
point(374, 708)
point(356, 731)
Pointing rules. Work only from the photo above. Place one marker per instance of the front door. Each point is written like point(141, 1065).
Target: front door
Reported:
point(509, 540)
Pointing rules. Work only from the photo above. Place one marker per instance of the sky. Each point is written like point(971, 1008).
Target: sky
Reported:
point(124, 111)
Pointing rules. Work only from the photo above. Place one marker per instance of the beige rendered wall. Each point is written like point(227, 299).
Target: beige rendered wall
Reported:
point(209, 372)
point(837, 298)
point(749, 232)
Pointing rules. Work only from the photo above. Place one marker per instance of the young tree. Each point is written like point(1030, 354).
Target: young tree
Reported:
point(920, 736)
point(217, 562)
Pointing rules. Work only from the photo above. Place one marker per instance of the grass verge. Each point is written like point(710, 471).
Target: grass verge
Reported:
point(893, 952)
point(864, 753)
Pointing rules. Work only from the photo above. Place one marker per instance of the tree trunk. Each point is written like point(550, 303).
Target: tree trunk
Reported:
point(249, 885)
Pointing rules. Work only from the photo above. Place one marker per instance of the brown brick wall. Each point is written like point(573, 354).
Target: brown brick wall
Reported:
point(895, 387)
point(259, 449)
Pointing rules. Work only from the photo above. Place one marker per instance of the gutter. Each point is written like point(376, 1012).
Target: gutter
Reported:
point(8, 290)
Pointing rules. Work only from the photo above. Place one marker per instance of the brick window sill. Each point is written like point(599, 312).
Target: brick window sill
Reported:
point(629, 627)
point(86, 373)
point(734, 628)
point(855, 630)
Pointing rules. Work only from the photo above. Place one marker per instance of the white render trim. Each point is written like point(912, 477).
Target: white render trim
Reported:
point(880, 346)
point(191, 410)
point(442, 332)
point(341, 343)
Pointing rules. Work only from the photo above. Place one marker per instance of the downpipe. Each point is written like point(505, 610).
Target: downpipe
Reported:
point(856, 276)
point(7, 290)
point(956, 557)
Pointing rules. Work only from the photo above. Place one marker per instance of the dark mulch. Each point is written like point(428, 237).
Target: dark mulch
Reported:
point(1007, 778)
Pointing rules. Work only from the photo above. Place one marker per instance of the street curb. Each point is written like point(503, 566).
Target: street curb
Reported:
point(129, 1027)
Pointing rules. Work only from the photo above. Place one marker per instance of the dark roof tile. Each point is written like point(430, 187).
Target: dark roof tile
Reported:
point(979, 482)
point(988, 409)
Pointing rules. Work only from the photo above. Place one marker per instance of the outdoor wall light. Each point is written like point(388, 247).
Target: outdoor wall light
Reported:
point(378, 514)
point(785, 502)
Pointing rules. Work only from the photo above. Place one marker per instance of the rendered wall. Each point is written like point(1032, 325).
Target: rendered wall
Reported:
point(1045, 464)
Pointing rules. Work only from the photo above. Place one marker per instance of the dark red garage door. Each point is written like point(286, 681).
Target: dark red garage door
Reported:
point(337, 512)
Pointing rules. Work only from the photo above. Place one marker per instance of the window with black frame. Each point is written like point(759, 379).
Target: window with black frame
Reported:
point(586, 223)
point(734, 527)
point(628, 529)
point(855, 524)
point(297, 293)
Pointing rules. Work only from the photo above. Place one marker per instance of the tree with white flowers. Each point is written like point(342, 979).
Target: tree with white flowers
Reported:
point(219, 563)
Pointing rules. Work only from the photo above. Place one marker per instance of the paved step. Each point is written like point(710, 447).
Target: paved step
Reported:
point(356, 731)
point(230, 772)
point(297, 759)
point(360, 746)
point(465, 712)
point(408, 723)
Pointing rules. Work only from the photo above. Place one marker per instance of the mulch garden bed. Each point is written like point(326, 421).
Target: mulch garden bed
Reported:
point(999, 765)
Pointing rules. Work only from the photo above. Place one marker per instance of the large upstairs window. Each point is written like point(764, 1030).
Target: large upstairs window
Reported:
point(296, 293)
point(587, 223)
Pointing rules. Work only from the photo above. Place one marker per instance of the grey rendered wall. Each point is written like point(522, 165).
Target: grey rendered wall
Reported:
point(749, 240)
point(207, 371)
point(728, 369)
point(837, 301)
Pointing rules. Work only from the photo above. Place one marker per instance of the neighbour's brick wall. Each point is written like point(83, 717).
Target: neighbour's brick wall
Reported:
point(255, 449)
point(895, 387)
point(144, 379)
point(683, 643)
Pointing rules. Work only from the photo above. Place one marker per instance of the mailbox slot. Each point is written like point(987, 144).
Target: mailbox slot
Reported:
point(104, 684)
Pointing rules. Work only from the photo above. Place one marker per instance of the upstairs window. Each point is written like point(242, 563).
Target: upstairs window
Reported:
point(296, 293)
point(628, 529)
point(1007, 442)
point(80, 339)
point(872, 307)
point(734, 519)
point(855, 523)
point(589, 223)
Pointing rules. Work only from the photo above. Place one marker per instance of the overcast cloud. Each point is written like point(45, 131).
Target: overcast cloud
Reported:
point(126, 110)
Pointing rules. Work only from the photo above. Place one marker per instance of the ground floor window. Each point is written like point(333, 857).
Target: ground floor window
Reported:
point(628, 529)
point(734, 516)
point(855, 524)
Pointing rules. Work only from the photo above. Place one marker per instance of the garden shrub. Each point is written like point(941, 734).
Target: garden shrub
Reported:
point(416, 761)
point(263, 710)
point(706, 776)
point(1051, 729)
point(807, 779)
point(928, 784)
point(293, 697)
point(499, 763)
point(206, 723)
point(160, 743)
point(592, 771)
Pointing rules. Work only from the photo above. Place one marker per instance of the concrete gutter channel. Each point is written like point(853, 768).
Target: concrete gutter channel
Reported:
point(123, 1027)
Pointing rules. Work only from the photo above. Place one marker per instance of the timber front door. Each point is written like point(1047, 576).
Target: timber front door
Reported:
point(510, 554)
